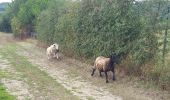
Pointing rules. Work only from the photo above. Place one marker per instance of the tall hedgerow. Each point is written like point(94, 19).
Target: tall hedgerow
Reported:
point(48, 19)
point(25, 12)
point(104, 27)
point(65, 33)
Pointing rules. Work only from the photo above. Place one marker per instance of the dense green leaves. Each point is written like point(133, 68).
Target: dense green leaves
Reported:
point(109, 26)
point(24, 14)
point(5, 24)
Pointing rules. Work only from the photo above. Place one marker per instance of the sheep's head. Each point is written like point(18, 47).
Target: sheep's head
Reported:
point(115, 58)
point(55, 46)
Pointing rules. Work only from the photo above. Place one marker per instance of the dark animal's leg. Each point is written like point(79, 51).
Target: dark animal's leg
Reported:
point(113, 75)
point(57, 53)
point(100, 73)
point(93, 72)
point(106, 77)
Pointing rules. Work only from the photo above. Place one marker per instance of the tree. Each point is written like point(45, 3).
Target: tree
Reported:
point(26, 12)
point(48, 19)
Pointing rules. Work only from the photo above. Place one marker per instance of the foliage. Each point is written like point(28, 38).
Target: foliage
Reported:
point(64, 29)
point(23, 15)
point(15, 23)
point(4, 18)
point(47, 21)
point(108, 26)
point(5, 25)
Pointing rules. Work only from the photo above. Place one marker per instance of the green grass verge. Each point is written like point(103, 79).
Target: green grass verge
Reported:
point(3, 74)
point(37, 79)
point(4, 95)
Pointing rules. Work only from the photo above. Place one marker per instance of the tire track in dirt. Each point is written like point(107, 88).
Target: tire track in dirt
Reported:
point(78, 86)
point(16, 86)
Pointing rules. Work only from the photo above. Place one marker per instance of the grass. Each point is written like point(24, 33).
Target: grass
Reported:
point(3, 74)
point(90, 98)
point(4, 95)
point(37, 79)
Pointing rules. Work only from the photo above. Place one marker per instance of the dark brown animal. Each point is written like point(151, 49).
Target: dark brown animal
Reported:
point(104, 64)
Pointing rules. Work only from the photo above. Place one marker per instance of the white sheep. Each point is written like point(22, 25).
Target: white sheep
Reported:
point(53, 51)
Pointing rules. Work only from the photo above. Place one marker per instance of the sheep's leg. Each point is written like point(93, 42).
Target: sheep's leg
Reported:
point(57, 55)
point(93, 71)
point(113, 75)
point(100, 72)
point(48, 56)
point(51, 56)
point(106, 77)
point(54, 56)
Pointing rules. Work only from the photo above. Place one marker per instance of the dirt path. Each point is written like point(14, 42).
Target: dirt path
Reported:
point(74, 76)
point(24, 80)
point(76, 84)
point(13, 83)
point(79, 87)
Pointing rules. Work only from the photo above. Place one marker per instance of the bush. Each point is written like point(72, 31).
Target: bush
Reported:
point(16, 27)
point(104, 27)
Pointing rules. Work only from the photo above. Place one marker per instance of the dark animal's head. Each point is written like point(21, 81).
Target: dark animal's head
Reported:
point(114, 58)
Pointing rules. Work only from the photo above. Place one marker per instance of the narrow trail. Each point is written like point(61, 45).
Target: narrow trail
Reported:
point(75, 76)
point(76, 84)
point(14, 85)
point(13, 82)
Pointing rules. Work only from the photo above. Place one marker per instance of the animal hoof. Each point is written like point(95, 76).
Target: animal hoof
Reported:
point(91, 74)
point(107, 81)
